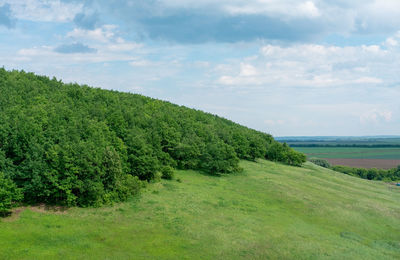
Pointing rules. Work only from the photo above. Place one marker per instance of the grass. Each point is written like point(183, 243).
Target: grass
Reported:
point(351, 153)
point(269, 211)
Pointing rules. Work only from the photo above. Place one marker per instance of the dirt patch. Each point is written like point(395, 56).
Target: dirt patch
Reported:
point(41, 208)
point(365, 163)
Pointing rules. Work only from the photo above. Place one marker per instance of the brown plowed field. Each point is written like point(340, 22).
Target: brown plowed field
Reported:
point(365, 163)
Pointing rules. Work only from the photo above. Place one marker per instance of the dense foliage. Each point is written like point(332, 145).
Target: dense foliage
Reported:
point(76, 145)
point(370, 174)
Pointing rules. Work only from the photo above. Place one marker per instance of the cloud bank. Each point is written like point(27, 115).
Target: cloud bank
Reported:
point(190, 21)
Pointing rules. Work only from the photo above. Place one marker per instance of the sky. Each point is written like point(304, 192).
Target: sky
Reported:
point(284, 67)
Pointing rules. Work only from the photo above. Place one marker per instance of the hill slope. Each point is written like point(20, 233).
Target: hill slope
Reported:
point(267, 211)
point(75, 145)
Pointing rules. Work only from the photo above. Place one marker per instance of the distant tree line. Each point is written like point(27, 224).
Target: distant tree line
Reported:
point(69, 144)
point(369, 174)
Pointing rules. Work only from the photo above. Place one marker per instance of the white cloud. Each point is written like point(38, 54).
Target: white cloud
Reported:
point(275, 8)
point(104, 34)
point(376, 116)
point(142, 63)
point(368, 80)
point(309, 9)
point(124, 46)
point(247, 70)
point(105, 37)
point(393, 42)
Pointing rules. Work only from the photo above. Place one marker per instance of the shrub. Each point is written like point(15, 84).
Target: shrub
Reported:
point(128, 186)
point(283, 153)
point(295, 158)
point(9, 193)
point(157, 177)
point(167, 173)
point(320, 162)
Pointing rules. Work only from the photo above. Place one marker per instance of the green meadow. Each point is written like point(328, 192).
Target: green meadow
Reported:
point(268, 211)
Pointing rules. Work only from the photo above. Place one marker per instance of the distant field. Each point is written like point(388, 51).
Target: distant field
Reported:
point(365, 163)
point(270, 211)
point(351, 153)
point(381, 158)
point(363, 152)
point(340, 141)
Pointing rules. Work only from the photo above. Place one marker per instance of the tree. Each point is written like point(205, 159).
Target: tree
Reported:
point(219, 158)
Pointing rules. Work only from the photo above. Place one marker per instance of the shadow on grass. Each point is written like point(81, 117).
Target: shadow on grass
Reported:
point(5, 214)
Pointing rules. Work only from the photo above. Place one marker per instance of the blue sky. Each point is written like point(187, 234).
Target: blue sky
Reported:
point(285, 67)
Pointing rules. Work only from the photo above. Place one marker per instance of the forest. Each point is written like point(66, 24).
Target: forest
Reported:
point(74, 145)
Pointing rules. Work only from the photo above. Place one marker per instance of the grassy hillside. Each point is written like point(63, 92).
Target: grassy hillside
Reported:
point(267, 211)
